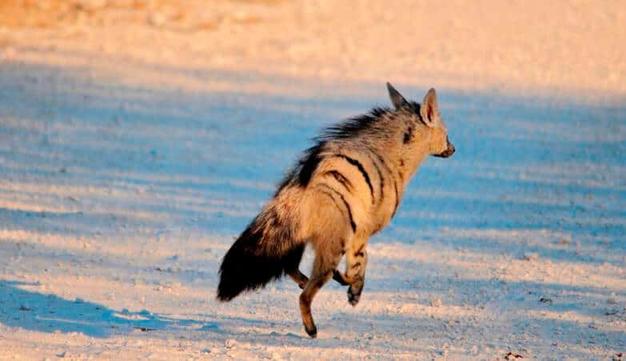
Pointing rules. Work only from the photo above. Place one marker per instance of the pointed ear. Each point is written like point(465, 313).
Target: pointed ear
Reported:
point(397, 99)
point(429, 110)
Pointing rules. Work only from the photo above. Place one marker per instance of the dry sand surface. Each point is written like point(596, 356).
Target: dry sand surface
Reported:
point(138, 138)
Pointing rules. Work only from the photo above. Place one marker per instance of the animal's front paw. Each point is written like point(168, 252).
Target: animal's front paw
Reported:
point(354, 295)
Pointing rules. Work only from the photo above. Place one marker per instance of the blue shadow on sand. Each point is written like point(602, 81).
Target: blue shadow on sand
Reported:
point(50, 313)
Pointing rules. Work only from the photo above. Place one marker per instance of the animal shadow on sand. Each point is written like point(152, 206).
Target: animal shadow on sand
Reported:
point(50, 313)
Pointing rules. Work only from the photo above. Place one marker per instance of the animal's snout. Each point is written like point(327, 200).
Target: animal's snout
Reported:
point(448, 152)
point(451, 149)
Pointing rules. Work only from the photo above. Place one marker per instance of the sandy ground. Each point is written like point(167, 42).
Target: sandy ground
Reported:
point(138, 138)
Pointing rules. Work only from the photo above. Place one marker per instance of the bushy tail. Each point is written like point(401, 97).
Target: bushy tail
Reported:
point(262, 253)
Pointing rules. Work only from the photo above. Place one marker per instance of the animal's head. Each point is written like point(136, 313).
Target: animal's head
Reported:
point(427, 114)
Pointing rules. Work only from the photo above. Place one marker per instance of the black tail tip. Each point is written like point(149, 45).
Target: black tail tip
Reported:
point(224, 295)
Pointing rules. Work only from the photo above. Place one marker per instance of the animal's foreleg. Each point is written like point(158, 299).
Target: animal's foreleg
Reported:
point(356, 263)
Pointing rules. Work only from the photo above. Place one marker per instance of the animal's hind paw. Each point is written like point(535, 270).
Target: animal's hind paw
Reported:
point(312, 331)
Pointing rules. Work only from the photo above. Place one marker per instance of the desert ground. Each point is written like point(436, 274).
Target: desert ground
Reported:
point(138, 138)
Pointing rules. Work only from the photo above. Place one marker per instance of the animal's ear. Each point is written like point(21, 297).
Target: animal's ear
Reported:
point(429, 110)
point(397, 99)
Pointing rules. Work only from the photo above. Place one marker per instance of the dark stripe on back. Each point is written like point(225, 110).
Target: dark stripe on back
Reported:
point(302, 173)
point(308, 165)
point(359, 166)
point(395, 207)
point(382, 182)
point(395, 183)
point(380, 178)
point(345, 203)
point(341, 179)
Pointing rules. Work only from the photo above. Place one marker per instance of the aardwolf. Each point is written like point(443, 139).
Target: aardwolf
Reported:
point(344, 189)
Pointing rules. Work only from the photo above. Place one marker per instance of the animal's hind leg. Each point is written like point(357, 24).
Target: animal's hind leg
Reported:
point(292, 262)
point(323, 268)
point(299, 278)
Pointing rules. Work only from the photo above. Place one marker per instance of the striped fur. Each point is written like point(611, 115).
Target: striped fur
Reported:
point(344, 189)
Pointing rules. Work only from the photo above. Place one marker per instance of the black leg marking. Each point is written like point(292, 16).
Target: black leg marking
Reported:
point(356, 275)
point(354, 296)
point(340, 278)
point(359, 252)
point(299, 278)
